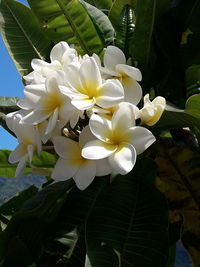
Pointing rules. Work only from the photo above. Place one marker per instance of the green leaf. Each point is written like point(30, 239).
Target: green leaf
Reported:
point(178, 179)
point(27, 228)
point(125, 29)
point(116, 10)
point(141, 42)
point(193, 79)
point(103, 5)
point(66, 237)
point(68, 21)
point(174, 118)
point(22, 35)
point(129, 220)
point(101, 21)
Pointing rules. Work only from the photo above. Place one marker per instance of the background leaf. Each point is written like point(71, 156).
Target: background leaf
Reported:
point(130, 219)
point(22, 35)
point(178, 179)
point(68, 21)
point(101, 21)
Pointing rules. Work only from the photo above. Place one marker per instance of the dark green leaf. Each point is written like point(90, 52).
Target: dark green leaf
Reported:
point(68, 21)
point(22, 35)
point(116, 10)
point(141, 43)
point(125, 29)
point(101, 21)
point(27, 228)
point(130, 219)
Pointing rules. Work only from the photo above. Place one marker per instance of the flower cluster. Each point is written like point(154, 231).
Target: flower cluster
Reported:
point(87, 111)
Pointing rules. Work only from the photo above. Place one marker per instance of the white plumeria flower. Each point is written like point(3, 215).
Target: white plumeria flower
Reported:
point(72, 165)
point(29, 141)
point(46, 101)
point(152, 111)
point(108, 112)
point(61, 55)
point(115, 65)
point(118, 140)
point(86, 87)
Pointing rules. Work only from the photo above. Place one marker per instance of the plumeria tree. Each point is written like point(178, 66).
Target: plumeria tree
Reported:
point(110, 116)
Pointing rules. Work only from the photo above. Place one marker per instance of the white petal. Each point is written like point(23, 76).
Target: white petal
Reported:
point(136, 110)
point(85, 136)
point(126, 70)
point(30, 150)
point(124, 158)
point(143, 138)
point(90, 75)
point(72, 74)
point(36, 116)
point(19, 152)
point(113, 56)
point(132, 90)
point(85, 175)
point(123, 118)
point(159, 100)
point(37, 64)
point(100, 127)
point(52, 122)
point(97, 149)
point(21, 166)
point(66, 148)
point(110, 94)
point(103, 167)
point(58, 50)
point(83, 103)
point(63, 170)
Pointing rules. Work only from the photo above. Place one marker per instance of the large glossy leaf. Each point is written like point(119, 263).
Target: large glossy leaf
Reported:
point(116, 10)
point(174, 118)
point(27, 228)
point(129, 222)
point(125, 29)
point(103, 5)
point(101, 21)
point(178, 179)
point(68, 21)
point(22, 35)
point(141, 43)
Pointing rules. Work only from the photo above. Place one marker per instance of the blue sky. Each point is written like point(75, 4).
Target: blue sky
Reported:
point(11, 85)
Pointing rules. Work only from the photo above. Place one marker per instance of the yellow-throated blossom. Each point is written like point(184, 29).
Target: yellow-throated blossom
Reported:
point(115, 66)
point(72, 165)
point(152, 111)
point(29, 141)
point(46, 101)
point(86, 87)
point(61, 55)
point(118, 140)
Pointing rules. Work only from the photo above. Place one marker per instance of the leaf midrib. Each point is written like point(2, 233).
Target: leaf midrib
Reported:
point(23, 30)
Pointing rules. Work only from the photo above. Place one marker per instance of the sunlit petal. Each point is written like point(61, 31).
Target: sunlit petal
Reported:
point(97, 150)
point(124, 158)
point(113, 56)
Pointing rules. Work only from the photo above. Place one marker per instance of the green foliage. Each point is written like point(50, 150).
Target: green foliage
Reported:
point(22, 35)
point(101, 227)
point(123, 222)
point(101, 21)
point(178, 179)
point(68, 21)
point(125, 29)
